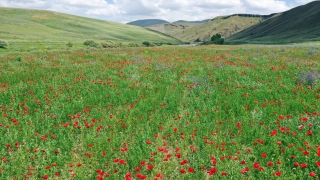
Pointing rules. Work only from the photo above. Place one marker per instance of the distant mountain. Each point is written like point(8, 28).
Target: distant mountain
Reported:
point(188, 31)
point(296, 25)
point(197, 22)
point(49, 26)
point(147, 22)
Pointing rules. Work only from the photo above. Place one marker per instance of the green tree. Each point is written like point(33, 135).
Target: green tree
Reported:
point(3, 43)
point(217, 39)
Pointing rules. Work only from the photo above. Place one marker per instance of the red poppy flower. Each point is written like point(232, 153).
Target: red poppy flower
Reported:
point(270, 163)
point(256, 165)
point(212, 171)
point(274, 132)
point(277, 173)
point(312, 174)
point(190, 170)
point(150, 167)
point(184, 162)
point(224, 174)
point(264, 155)
point(303, 165)
point(182, 171)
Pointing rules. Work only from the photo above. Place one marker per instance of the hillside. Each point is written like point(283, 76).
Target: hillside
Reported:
point(197, 22)
point(39, 25)
point(296, 25)
point(147, 22)
point(194, 32)
point(173, 29)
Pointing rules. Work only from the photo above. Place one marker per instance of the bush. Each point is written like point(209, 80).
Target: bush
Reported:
point(217, 39)
point(146, 43)
point(133, 45)
point(91, 43)
point(69, 44)
point(111, 44)
point(3, 43)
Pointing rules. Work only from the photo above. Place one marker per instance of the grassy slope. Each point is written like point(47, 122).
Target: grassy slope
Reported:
point(38, 25)
point(173, 29)
point(147, 22)
point(190, 32)
point(296, 25)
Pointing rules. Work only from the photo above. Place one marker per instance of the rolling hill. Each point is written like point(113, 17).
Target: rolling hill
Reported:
point(296, 25)
point(197, 22)
point(173, 29)
point(39, 25)
point(147, 22)
point(196, 32)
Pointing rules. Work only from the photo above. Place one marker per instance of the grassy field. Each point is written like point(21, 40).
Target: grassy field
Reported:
point(48, 28)
point(209, 112)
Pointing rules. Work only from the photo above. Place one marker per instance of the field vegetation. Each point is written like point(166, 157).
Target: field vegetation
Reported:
point(208, 112)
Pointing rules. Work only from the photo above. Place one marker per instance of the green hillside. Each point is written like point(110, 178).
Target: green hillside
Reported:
point(173, 29)
point(24, 25)
point(296, 25)
point(193, 32)
point(147, 22)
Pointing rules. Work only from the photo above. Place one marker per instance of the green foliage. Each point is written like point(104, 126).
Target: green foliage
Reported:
point(146, 43)
point(69, 44)
point(133, 45)
point(217, 39)
point(3, 43)
point(111, 44)
point(91, 43)
point(18, 59)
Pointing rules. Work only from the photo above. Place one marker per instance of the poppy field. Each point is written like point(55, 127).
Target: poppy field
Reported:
point(171, 113)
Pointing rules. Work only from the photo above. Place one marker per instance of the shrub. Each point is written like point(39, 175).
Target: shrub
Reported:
point(91, 43)
point(3, 43)
point(69, 44)
point(133, 45)
point(217, 39)
point(146, 43)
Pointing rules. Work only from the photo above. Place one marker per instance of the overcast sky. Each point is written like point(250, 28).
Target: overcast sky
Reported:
point(171, 10)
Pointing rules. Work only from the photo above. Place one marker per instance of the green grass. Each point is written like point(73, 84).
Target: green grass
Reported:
point(103, 112)
point(300, 24)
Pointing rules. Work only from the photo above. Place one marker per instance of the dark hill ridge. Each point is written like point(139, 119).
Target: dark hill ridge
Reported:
point(296, 25)
point(250, 15)
point(147, 22)
point(196, 22)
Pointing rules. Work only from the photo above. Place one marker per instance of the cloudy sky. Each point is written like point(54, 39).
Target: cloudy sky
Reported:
point(171, 10)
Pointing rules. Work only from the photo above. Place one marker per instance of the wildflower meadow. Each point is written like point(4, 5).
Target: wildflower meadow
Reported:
point(171, 113)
